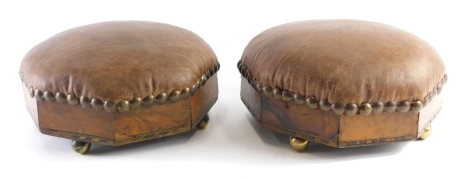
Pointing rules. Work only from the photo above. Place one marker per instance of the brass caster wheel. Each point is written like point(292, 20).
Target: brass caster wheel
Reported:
point(81, 147)
point(298, 144)
point(427, 132)
point(203, 123)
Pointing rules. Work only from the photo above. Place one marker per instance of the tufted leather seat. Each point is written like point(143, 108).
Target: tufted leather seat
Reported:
point(344, 67)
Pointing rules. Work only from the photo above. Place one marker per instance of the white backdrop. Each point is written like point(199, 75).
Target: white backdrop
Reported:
point(233, 145)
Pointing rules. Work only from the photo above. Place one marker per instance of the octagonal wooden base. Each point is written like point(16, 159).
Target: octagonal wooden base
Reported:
point(119, 128)
point(337, 130)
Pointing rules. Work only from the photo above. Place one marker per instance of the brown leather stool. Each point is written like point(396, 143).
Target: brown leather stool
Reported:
point(115, 83)
point(342, 83)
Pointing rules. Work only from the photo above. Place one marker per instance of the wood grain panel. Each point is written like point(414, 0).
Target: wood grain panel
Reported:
point(151, 119)
point(31, 105)
point(299, 118)
point(312, 138)
point(250, 98)
point(387, 126)
point(75, 119)
point(428, 113)
point(204, 99)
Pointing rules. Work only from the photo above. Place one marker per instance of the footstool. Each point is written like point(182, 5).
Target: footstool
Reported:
point(342, 83)
point(121, 82)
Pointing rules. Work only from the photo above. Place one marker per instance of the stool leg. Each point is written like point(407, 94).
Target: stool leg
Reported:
point(80, 147)
point(427, 132)
point(298, 144)
point(203, 122)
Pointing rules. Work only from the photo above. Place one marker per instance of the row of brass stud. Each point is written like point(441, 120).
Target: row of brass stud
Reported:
point(123, 105)
point(339, 108)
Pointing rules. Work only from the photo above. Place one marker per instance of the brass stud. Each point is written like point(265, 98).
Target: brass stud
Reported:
point(390, 106)
point(218, 66)
point(439, 88)
point(38, 95)
point(248, 78)
point(109, 106)
point(377, 107)
point(239, 64)
point(416, 106)
point(253, 83)
point(258, 87)
point(350, 109)
point(426, 101)
point(136, 102)
point(175, 96)
point(267, 91)
point(298, 99)
point(31, 92)
point(80, 147)
point(445, 79)
point(277, 93)
point(49, 96)
point(214, 69)
point(193, 89)
point(403, 106)
point(365, 109)
point(148, 101)
point(298, 144)
point(208, 74)
point(311, 102)
point(185, 93)
point(243, 71)
point(337, 108)
point(96, 103)
point(324, 105)
point(72, 99)
point(123, 106)
point(286, 96)
point(211, 71)
point(434, 92)
point(198, 84)
point(162, 98)
point(60, 97)
point(203, 80)
point(84, 101)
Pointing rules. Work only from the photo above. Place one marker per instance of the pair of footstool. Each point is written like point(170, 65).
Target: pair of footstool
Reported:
point(342, 83)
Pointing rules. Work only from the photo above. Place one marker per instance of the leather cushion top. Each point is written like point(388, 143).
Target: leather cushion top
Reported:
point(118, 60)
point(345, 61)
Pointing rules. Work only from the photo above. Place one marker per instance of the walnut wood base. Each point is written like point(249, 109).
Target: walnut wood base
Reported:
point(119, 128)
point(337, 130)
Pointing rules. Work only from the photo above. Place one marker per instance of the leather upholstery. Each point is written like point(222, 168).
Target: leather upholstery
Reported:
point(346, 61)
point(118, 60)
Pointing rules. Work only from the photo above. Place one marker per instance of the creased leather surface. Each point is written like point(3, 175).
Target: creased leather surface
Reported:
point(345, 61)
point(118, 60)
